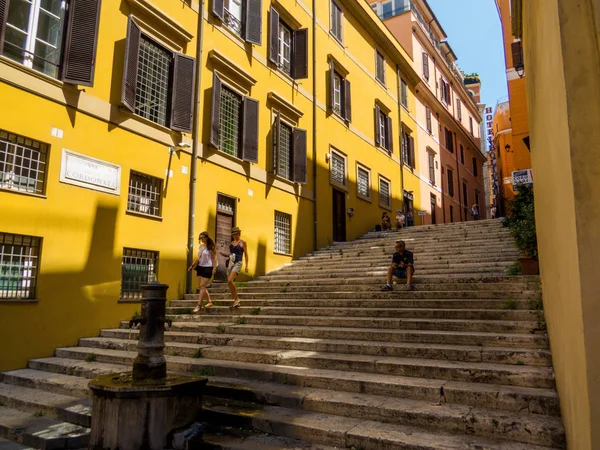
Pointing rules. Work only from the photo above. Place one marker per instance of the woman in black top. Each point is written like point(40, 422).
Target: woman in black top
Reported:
point(236, 250)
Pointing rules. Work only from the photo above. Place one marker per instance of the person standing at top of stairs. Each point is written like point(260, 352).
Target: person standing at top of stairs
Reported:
point(402, 266)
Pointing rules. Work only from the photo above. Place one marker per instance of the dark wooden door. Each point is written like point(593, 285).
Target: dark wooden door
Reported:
point(433, 204)
point(225, 222)
point(339, 216)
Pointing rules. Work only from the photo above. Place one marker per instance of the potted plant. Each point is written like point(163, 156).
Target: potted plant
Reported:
point(521, 222)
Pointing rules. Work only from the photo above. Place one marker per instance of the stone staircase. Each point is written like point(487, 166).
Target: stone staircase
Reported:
point(319, 357)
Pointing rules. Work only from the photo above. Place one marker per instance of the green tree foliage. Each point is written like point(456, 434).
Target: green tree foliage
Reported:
point(521, 221)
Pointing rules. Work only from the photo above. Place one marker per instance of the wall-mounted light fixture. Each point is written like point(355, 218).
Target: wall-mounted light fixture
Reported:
point(327, 157)
point(507, 148)
point(350, 212)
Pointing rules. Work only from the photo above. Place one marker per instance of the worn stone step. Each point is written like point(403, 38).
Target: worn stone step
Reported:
point(8, 445)
point(384, 262)
point(253, 441)
point(399, 292)
point(41, 432)
point(407, 350)
point(505, 398)
point(380, 275)
point(423, 255)
point(346, 432)
point(480, 270)
point(48, 381)
point(474, 246)
point(525, 376)
point(420, 250)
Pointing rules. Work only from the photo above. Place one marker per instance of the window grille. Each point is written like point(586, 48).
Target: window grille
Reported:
point(144, 194)
point(19, 263)
point(34, 34)
point(338, 169)
point(380, 67)
point(384, 192)
point(153, 81)
point(283, 232)
point(285, 48)
point(337, 93)
point(363, 182)
point(336, 21)
point(231, 110)
point(22, 163)
point(284, 160)
point(138, 268)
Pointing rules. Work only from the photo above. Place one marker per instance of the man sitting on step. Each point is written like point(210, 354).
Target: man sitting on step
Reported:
point(402, 266)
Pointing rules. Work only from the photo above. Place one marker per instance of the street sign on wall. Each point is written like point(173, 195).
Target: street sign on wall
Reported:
point(522, 177)
point(422, 213)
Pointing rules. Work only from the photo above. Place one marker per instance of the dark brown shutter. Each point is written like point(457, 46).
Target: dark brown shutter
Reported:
point(331, 85)
point(276, 130)
point(389, 134)
point(3, 16)
point(426, 66)
point(215, 119)
point(182, 97)
point(411, 151)
point(347, 102)
point(274, 36)
point(250, 131)
point(218, 8)
point(254, 21)
point(517, 54)
point(130, 67)
point(299, 153)
point(79, 58)
point(377, 126)
point(300, 57)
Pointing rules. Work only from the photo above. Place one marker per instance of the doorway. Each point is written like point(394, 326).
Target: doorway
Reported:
point(339, 216)
point(225, 223)
point(433, 201)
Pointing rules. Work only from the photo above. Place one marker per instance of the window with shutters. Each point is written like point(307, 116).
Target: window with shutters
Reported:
point(404, 93)
point(339, 98)
point(23, 163)
point(19, 266)
point(231, 122)
point(475, 170)
point(283, 233)
point(426, 66)
point(517, 54)
point(465, 199)
point(145, 194)
point(408, 149)
point(242, 17)
point(137, 268)
point(462, 155)
point(445, 92)
point(449, 141)
point(363, 182)
point(383, 129)
point(338, 169)
point(471, 126)
point(158, 84)
point(450, 176)
point(233, 15)
point(336, 21)
point(459, 110)
point(379, 67)
point(385, 192)
point(289, 151)
point(428, 120)
point(337, 93)
point(431, 162)
point(288, 47)
point(40, 35)
point(451, 214)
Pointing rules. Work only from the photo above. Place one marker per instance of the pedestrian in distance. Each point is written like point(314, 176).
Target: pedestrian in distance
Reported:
point(206, 267)
point(410, 218)
point(493, 211)
point(475, 211)
point(386, 222)
point(400, 219)
point(403, 266)
point(237, 248)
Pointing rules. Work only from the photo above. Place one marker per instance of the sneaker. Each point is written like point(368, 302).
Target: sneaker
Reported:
point(387, 287)
point(410, 287)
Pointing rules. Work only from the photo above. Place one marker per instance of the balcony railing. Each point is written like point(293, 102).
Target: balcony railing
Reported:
point(232, 22)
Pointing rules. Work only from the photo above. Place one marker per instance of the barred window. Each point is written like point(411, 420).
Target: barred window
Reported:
point(144, 194)
point(153, 81)
point(19, 263)
point(230, 115)
point(363, 182)
point(338, 169)
point(22, 163)
point(283, 232)
point(284, 157)
point(384, 192)
point(138, 267)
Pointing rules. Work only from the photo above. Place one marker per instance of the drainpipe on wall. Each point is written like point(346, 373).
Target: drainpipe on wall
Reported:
point(314, 124)
point(195, 150)
point(459, 183)
point(399, 81)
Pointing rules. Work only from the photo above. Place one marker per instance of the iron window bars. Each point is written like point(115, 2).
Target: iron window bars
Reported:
point(19, 264)
point(138, 267)
point(22, 163)
point(283, 231)
point(144, 194)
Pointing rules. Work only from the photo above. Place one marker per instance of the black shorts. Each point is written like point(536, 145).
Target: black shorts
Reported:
point(204, 272)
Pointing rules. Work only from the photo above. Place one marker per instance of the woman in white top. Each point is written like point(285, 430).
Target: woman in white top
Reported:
point(206, 267)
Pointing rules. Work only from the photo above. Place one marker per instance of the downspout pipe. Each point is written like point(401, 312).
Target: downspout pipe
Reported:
point(399, 81)
point(195, 150)
point(458, 181)
point(314, 121)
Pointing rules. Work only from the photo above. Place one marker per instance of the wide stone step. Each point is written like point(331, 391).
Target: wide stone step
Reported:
point(474, 246)
point(505, 398)
point(381, 271)
point(399, 293)
point(525, 376)
point(359, 268)
point(41, 432)
point(407, 350)
point(252, 440)
point(9, 445)
point(420, 260)
point(350, 432)
point(49, 381)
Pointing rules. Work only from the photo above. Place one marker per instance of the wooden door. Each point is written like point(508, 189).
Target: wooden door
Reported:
point(225, 222)
point(433, 204)
point(339, 216)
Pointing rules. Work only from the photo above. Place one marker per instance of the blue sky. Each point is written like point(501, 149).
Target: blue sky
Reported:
point(475, 35)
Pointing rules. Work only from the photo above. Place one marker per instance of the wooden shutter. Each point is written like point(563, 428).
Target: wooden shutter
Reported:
point(250, 131)
point(3, 16)
point(299, 155)
point(411, 151)
point(517, 54)
point(347, 102)
point(300, 57)
point(130, 67)
point(276, 130)
point(389, 135)
point(426, 66)
point(377, 119)
point(215, 119)
point(79, 58)
point(274, 36)
point(182, 93)
point(331, 85)
point(254, 21)
point(218, 8)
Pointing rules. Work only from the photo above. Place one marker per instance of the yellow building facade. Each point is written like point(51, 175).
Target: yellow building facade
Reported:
point(294, 114)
